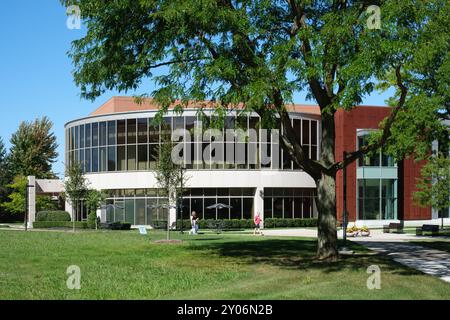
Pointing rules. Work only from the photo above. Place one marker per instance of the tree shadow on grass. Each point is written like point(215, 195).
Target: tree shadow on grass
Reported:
point(300, 255)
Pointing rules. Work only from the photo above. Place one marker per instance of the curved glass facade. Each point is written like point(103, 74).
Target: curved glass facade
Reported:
point(132, 144)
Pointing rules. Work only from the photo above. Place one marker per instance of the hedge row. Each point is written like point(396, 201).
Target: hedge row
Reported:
point(117, 225)
point(60, 224)
point(289, 223)
point(245, 223)
point(56, 215)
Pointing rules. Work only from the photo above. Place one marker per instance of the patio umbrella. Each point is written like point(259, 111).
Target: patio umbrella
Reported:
point(219, 206)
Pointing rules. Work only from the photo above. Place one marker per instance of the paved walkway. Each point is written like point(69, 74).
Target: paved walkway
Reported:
point(396, 246)
point(427, 260)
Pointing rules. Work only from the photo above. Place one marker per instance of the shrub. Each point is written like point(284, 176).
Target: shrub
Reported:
point(92, 220)
point(57, 215)
point(117, 225)
point(60, 224)
point(289, 223)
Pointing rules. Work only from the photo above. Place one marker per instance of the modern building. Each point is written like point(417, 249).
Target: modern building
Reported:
point(117, 145)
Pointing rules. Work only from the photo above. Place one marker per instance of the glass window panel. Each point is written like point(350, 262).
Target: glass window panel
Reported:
point(95, 134)
point(371, 209)
point(142, 156)
point(72, 138)
point(267, 207)
point(131, 157)
point(81, 158)
point(94, 158)
point(307, 207)
point(387, 161)
point(153, 156)
point(121, 131)
point(278, 207)
point(247, 208)
point(305, 132)
point(82, 136)
point(236, 210)
point(225, 212)
point(223, 192)
point(298, 208)
point(210, 213)
point(197, 191)
point(153, 132)
point(166, 129)
point(77, 137)
point(103, 160)
point(197, 206)
point(288, 208)
point(87, 161)
point(314, 140)
point(111, 133)
point(131, 131)
point(111, 158)
point(235, 192)
point(314, 152)
point(151, 211)
point(109, 210)
point(210, 192)
point(190, 121)
point(297, 129)
point(249, 192)
point(142, 131)
point(129, 211)
point(119, 210)
point(121, 159)
point(88, 135)
point(102, 133)
point(140, 212)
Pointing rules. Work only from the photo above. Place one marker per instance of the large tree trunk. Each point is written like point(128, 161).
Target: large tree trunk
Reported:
point(326, 194)
point(326, 205)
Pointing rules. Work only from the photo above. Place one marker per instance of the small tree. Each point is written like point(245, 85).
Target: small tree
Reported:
point(166, 174)
point(16, 205)
point(434, 185)
point(94, 201)
point(76, 187)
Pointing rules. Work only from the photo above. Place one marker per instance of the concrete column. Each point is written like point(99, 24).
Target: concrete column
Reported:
point(31, 201)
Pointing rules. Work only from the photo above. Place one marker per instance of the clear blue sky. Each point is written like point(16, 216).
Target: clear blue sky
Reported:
point(35, 72)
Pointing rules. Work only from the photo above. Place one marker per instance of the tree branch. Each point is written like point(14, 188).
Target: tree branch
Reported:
point(386, 129)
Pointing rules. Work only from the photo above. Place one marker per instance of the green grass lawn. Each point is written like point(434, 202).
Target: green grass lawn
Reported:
point(126, 265)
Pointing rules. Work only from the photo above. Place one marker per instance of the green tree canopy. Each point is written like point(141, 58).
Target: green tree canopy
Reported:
point(260, 53)
point(33, 149)
point(434, 183)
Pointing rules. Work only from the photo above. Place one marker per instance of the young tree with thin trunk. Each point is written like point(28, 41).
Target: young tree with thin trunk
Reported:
point(75, 188)
point(434, 185)
point(258, 54)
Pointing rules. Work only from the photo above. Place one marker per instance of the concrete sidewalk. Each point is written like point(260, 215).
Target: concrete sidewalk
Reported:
point(429, 261)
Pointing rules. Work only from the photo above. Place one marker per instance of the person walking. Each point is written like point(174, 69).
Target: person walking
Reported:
point(194, 223)
point(257, 220)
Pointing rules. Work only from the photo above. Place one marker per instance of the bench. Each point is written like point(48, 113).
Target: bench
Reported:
point(397, 227)
point(433, 228)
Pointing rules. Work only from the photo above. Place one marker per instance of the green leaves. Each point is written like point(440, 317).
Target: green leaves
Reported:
point(434, 184)
point(33, 149)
